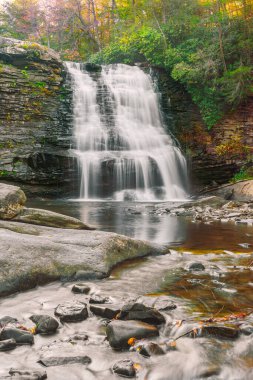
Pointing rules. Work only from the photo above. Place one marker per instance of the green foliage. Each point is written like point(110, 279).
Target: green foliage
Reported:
point(207, 46)
point(242, 175)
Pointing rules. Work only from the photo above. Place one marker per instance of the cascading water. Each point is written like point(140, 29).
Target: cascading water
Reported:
point(124, 152)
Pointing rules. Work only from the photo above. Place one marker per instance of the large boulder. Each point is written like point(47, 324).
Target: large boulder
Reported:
point(12, 200)
point(140, 312)
point(31, 255)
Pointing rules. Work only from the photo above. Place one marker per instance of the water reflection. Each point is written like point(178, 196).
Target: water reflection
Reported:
point(143, 221)
point(136, 221)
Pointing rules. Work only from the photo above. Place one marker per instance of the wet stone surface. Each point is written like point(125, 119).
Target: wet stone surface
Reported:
point(124, 368)
point(72, 312)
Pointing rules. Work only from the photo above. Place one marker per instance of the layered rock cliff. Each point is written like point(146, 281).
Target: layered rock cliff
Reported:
point(214, 156)
point(36, 124)
point(35, 115)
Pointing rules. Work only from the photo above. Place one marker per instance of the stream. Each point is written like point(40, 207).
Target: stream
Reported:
point(222, 289)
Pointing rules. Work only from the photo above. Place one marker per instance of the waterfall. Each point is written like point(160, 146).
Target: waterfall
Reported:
point(123, 150)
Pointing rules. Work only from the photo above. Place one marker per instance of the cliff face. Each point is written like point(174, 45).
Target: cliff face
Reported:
point(36, 124)
point(35, 115)
point(213, 156)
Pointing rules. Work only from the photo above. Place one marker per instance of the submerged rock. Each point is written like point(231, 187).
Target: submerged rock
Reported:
point(124, 368)
point(140, 312)
point(20, 336)
point(72, 311)
point(196, 267)
point(81, 288)
point(7, 345)
point(21, 374)
point(105, 311)
point(45, 324)
point(97, 299)
point(64, 360)
point(219, 332)
point(119, 332)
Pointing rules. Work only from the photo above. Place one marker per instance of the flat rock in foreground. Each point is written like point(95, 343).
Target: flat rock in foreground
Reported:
point(34, 255)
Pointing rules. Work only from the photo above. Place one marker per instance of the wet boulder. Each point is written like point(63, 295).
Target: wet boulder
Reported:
point(119, 332)
point(27, 374)
point(45, 324)
point(20, 336)
point(97, 299)
point(124, 368)
point(72, 311)
point(8, 345)
point(196, 267)
point(64, 360)
point(81, 288)
point(4, 321)
point(140, 312)
point(105, 311)
point(148, 349)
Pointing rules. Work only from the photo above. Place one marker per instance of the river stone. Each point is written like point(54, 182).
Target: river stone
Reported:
point(149, 349)
point(119, 332)
point(36, 255)
point(105, 311)
point(81, 288)
point(21, 374)
point(50, 219)
point(163, 303)
point(219, 332)
point(196, 267)
point(72, 311)
point(12, 200)
point(7, 345)
point(64, 360)
point(246, 329)
point(45, 324)
point(20, 336)
point(124, 368)
point(7, 320)
point(140, 312)
point(97, 299)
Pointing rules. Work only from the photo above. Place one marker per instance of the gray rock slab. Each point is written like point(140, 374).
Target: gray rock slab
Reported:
point(50, 219)
point(35, 255)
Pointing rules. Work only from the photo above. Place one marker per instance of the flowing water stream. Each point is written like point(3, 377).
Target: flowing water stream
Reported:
point(123, 149)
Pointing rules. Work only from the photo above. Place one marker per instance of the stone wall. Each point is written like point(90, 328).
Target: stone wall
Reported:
point(35, 116)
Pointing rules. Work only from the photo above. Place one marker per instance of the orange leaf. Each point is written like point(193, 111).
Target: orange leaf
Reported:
point(131, 341)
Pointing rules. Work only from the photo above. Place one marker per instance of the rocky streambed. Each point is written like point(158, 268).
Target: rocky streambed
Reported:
point(183, 313)
point(177, 316)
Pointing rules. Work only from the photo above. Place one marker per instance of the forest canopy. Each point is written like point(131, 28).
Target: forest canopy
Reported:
point(206, 45)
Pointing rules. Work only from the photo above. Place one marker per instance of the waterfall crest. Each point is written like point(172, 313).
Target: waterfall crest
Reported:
point(123, 150)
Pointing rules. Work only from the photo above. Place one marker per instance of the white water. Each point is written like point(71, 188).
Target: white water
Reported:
point(124, 152)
